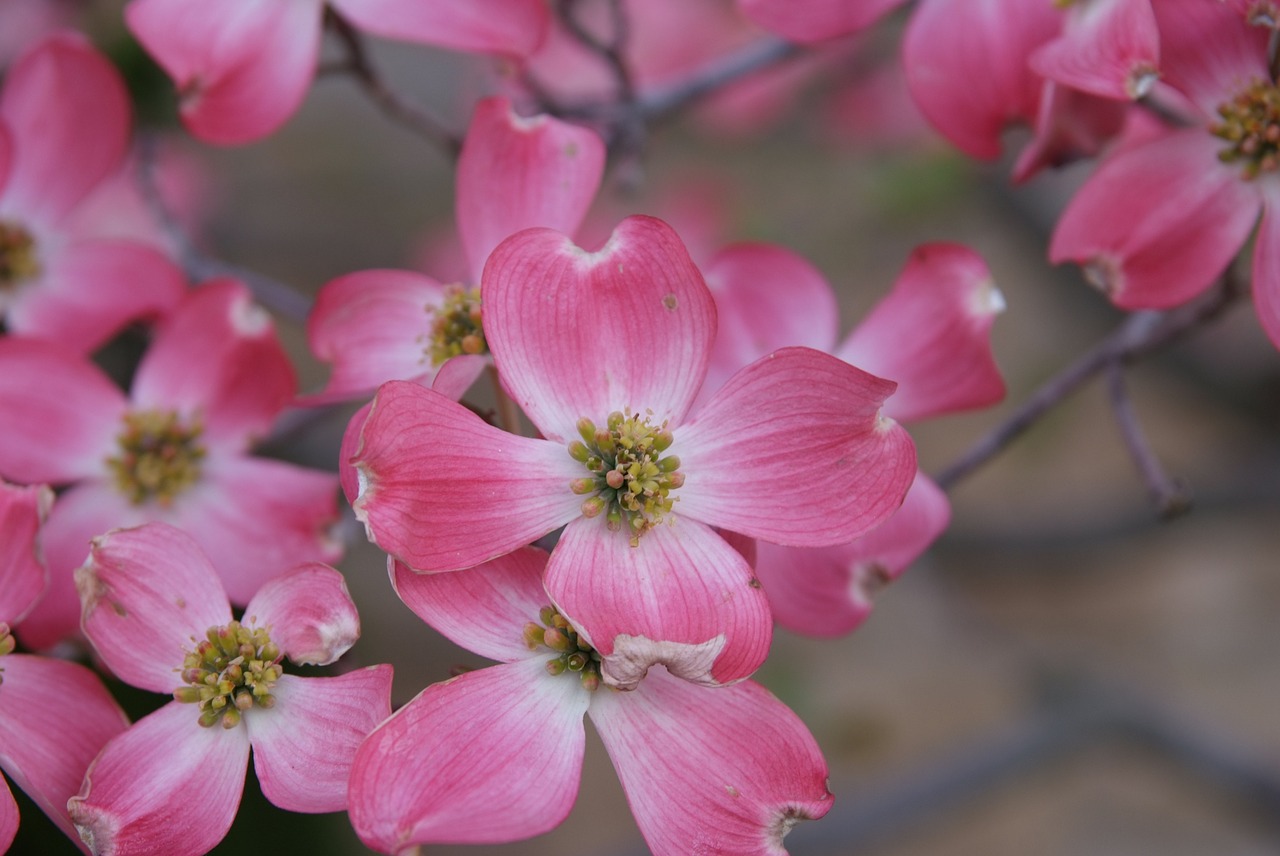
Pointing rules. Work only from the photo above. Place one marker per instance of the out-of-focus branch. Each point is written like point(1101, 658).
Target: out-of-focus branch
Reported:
point(1141, 334)
point(757, 56)
point(1171, 496)
point(275, 295)
point(391, 102)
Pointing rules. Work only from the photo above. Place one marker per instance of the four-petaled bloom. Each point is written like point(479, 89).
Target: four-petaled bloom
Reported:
point(931, 335)
point(495, 755)
point(176, 449)
point(1159, 221)
point(605, 352)
point(159, 619)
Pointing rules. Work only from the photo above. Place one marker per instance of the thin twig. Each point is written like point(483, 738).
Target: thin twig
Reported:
point(1171, 496)
point(1139, 335)
point(408, 114)
point(760, 54)
point(271, 293)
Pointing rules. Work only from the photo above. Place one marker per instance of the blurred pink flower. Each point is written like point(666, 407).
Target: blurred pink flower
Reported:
point(495, 755)
point(1160, 220)
point(64, 132)
point(243, 67)
point(159, 619)
point(931, 335)
point(176, 449)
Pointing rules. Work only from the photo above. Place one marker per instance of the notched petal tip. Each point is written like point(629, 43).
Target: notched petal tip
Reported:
point(632, 657)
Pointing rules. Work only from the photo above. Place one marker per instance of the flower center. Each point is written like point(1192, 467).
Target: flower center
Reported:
point(1250, 123)
point(573, 654)
point(18, 262)
point(230, 671)
point(631, 482)
point(455, 325)
point(159, 456)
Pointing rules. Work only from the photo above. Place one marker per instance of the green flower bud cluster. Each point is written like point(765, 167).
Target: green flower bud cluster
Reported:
point(231, 670)
point(631, 482)
point(455, 328)
point(1251, 125)
point(573, 654)
point(159, 456)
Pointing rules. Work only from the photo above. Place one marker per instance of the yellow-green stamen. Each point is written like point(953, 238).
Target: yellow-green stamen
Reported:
point(230, 671)
point(18, 262)
point(573, 654)
point(159, 456)
point(1251, 126)
point(631, 482)
point(455, 325)
point(7, 644)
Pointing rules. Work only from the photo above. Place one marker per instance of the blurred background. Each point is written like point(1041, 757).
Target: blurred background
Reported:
point(1061, 674)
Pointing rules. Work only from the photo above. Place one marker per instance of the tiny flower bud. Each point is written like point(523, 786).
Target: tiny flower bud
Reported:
point(581, 486)
point(592, 507)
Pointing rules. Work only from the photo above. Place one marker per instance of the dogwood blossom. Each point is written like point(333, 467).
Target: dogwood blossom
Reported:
point(64, 133)
point(495, 755)
point(175, 449)
point(158, 617)
point(605, 352)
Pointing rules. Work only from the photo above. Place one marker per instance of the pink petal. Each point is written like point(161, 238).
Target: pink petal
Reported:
point(682, 597)
point(147, 594)
point(23, 573)
point(303, 747)
point(164, 786)
point(827, 591)
point(767, 297)
point(348, 477)
point(256, 517)
point(483, 610)
point(1108, 47)
point(68, 113)
point(218, 356)
point(59, 414)
point(491, 756)
point(726, 770)
point(310, 613)
point(794, 449)
point(373, 326)
point(966, 64)
point(1072, 125)
point(55, 716)
point(514, 173)
point(83, 512)
point(8, 817)
point(241, 70)
point(457, 374)
point(438, 486)
point(1156, 224)
point(512, 27)
point(91, 290)
point(1208, 51)
point(1266, 269)
point(579, 334)
point(932, 335)
point(815, 20)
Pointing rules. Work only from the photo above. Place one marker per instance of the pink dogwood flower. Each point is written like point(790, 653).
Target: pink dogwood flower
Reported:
point(64, 133)
point(605, 352)
point(977, 66)
point(159, 619)
point(513, 173)
point(243, 67)
point(54, 715)
point(495, 755)
point(931, 334)
point(1158, 222)
point(175, 449)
